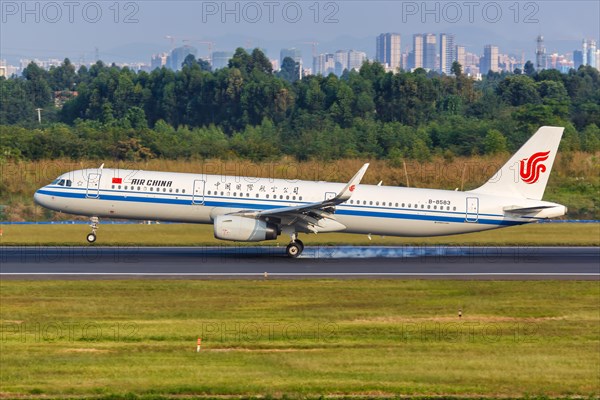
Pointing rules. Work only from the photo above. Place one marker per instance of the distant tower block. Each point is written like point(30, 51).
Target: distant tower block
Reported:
point(540, 54)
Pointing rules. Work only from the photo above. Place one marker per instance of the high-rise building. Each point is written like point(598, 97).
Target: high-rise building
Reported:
point(430, 52)
point(447, 53)
point(324, 64)
point(461, 56)
point(417, 56)
point(178, 55)
point(591, 56)
point(540, 54)
point(159, 60)
point(577, 59)
point(489, 61)
point(356, 59)
point(220, 59)
point(293, 53)
point(341, 62)
point(585, 52)
point(388, 50)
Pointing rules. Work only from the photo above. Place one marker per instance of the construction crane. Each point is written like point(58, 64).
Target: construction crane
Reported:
point(209, 44)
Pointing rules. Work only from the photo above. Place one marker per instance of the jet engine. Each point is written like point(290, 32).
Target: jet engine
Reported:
point(242, 229)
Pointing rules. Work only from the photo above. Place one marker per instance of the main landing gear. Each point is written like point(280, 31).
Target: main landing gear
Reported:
point(91, 237)
point(295, 248)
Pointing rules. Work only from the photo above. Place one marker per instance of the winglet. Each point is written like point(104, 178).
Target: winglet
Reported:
point(346, 193)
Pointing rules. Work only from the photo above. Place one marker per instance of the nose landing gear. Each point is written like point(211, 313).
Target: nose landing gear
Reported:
point(91, 237)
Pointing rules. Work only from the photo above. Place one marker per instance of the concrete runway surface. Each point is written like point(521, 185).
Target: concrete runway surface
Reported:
point(255, 262)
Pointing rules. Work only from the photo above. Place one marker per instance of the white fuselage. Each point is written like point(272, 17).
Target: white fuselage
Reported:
point(198, 198)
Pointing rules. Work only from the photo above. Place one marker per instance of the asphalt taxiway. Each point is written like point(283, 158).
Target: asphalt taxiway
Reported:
point(403, 262)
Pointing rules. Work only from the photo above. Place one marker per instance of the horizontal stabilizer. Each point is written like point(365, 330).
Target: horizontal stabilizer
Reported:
point(524, 210)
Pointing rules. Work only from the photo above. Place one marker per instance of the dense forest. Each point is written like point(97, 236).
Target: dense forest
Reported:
point(249, 111)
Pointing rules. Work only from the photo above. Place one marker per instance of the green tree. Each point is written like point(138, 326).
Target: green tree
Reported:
point(289, 70)
point(529, 69)
point(494, 142)
point(456, 69)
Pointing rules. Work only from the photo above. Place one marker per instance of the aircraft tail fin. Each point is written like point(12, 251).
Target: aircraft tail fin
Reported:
point(526, 173)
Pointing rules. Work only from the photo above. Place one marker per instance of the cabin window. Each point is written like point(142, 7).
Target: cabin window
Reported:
point(422, 206)
point(267, 196)
point(280, 197)
point(377, 203)
point(209, 192)
point(429, 207)
point(300, 198)
point(448, 208)
point(287, 197)
point(234, 194)
point(257, 195)
point(171, 190)
point(370, 203)
point(294, 198)
point(119, 187)
point(177, 191)
point(408, 205)
point(182, 190)
point(151, 188)
point(113, 186)
point(69, 182)
point(396, 204)
point(454, 209)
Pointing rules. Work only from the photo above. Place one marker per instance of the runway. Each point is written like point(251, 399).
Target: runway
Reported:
point(401, 262)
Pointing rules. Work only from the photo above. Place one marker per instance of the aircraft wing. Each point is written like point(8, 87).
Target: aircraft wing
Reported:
point(313, 217)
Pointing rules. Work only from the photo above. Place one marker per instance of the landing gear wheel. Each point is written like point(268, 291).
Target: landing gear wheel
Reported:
point(91, 237)
point(299, 243)
point(294, 249)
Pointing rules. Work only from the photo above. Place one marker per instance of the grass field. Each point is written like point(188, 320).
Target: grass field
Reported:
point(202, 235)
point(300, 338)
point(574, 182)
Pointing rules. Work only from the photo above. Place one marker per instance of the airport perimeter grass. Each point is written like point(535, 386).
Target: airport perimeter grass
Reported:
point(378, 338)
point(559, 234)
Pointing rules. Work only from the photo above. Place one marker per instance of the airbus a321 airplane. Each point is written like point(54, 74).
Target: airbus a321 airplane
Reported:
point(255, 209)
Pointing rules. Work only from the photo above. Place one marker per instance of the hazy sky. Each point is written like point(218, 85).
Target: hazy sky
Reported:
point(132, 30)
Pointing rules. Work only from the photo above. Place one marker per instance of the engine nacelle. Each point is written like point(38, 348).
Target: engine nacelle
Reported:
point(242, 229)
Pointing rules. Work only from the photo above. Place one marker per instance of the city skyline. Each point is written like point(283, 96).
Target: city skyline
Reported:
point(130, 34)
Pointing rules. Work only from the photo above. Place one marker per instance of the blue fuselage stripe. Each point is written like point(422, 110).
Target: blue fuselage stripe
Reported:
point(252, 205)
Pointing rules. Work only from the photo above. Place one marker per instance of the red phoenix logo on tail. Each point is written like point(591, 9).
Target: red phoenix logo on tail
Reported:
point(530, 168)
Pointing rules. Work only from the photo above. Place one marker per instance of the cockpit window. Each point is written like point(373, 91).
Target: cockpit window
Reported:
point(62, 182)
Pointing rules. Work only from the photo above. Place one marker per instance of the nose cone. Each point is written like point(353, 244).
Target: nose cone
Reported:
point(40, 199)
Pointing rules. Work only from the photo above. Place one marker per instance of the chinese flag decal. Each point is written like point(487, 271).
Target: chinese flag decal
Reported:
point(117, 180)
